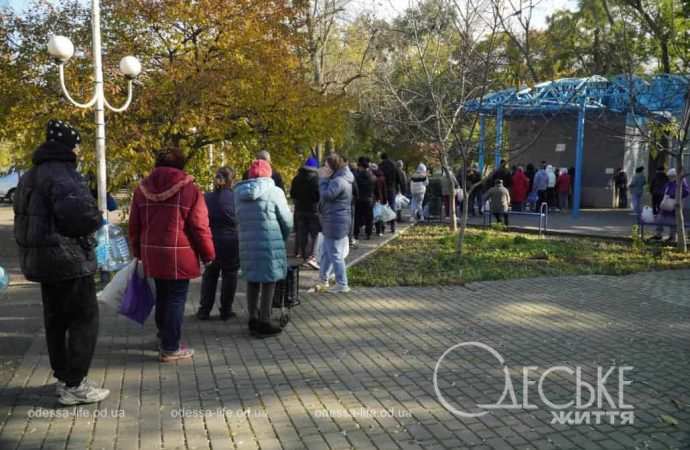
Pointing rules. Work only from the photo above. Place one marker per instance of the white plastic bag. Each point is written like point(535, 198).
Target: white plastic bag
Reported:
point(401, 202)
point(668, 204)
point(460, 195)
point(113, 292)
point(378, 211)
point(647, 215)
point(387, 213)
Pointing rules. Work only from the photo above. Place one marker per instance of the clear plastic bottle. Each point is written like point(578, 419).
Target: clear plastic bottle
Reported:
point(102, 247)
point(118, 249)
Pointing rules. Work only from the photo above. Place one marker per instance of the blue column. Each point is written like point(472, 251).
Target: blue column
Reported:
point(499, 135)
point(482, 139)
point(579, 156)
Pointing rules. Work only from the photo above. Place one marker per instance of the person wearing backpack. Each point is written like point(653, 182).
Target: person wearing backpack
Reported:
point(55, 217)
point(364, 207)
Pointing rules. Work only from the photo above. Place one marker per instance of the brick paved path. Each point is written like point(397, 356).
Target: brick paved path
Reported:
point(373, 351)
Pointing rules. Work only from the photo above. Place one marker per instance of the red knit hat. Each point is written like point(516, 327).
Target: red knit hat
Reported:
point(260, 168)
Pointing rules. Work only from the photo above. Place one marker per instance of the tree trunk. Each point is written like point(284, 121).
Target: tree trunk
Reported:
point(451, 203)
point(680, 220)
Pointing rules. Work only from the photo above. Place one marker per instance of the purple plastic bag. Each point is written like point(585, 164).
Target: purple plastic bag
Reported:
point(138, 301)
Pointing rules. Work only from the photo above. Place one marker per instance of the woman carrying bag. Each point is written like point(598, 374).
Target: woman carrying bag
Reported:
point(169, 233)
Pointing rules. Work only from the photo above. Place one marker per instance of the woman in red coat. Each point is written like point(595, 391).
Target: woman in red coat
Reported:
point(169, 232)
point(519, 189)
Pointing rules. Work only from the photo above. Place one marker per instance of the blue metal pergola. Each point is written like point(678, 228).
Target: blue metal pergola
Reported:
point(661, 96)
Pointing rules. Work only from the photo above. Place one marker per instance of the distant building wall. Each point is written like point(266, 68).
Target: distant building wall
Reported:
point(536, 139)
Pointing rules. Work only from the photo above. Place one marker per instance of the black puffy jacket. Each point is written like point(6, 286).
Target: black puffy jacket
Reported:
point(55, 217)
point(304, 191)
point(366, 183)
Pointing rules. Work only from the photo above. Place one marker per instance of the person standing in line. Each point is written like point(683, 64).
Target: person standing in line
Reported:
point(55, 217)
point(169, 233)
point(355, 197)
point(637, 190)
point(519, 189)
point(393, 177)
point(366, 184)
point(474, 177)
point(563, 189)
point(221, 215)
point(418, 185)
point(657, 188)
point(448, 188)
point(335, 190)
point(404, 190)
point(380, 196)
point(304, 191)
point(540, 185)
point(265, 222)
point(551, 187)
point(667, 216)
point(621, 183)
point(499, 201)
point(264, 155)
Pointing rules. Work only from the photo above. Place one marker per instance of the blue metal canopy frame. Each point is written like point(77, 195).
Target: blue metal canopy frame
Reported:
point(661, 96)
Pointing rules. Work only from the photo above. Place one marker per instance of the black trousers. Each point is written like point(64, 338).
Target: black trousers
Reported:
point(498, 217)
point(307, 225)
point(70, 314)
point(263, 291)
point(228, 287)
point(364, 217)
point(656, 202)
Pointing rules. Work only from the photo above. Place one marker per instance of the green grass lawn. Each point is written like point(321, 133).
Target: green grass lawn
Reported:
point(425, 256)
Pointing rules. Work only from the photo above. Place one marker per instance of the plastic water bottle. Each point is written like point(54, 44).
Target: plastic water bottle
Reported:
point(102, 247)
point(4, 280)
point(118, 249)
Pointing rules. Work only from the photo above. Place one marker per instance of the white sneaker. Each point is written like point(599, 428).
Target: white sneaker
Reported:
point(86, 392)
point(60, 387)
point(338, 289)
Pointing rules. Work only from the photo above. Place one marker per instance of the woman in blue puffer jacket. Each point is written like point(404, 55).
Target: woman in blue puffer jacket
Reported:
point(265, 222)
point(335, 191)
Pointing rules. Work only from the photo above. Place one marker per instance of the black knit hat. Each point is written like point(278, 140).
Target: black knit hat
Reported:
point(62, 132)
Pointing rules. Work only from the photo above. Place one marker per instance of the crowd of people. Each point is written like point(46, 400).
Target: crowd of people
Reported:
point(240, 226)
point(174, 229)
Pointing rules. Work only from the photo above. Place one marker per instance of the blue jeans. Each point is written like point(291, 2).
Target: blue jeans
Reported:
point(171, 296)
point(333, 259)
point(637, 203)
point(416, 208)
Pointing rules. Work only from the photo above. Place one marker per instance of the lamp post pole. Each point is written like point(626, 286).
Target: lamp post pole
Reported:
point(101, 173)
point(62, 49)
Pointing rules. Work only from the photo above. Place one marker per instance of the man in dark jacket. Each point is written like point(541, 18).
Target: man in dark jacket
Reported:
point(657, 188)
point(55, 218)
point(394, 179)
point(304, 192)
point(364, 208)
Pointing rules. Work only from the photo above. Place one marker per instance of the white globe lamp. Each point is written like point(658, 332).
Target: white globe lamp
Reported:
point(61, 48)
point(130, 66)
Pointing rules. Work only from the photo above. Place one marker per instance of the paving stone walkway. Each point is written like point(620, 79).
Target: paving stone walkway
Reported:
point(356, 371)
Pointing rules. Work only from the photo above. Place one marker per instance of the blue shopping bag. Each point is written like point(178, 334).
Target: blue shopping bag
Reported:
point(139, 300)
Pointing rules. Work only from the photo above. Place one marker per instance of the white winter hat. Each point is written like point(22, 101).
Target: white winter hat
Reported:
point(671, 172)
point(421, 168)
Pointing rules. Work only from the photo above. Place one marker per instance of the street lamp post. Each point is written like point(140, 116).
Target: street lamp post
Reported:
point(61, 48)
